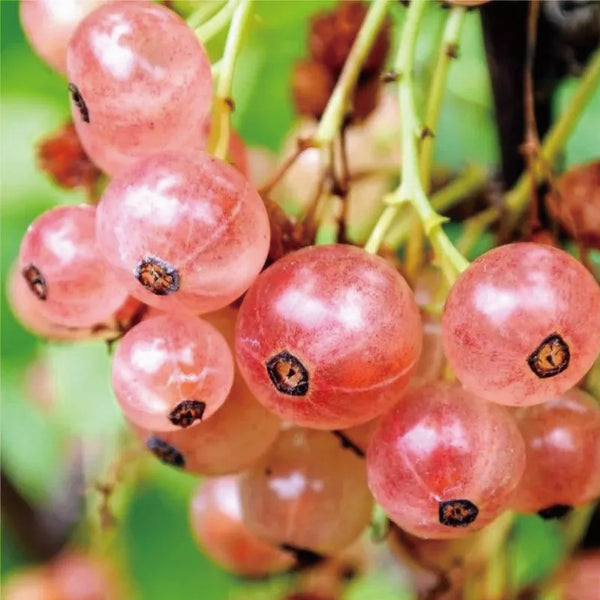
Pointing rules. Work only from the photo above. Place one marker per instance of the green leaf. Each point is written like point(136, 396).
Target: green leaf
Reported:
point(263, 75)
point(86, 403)
point(163, 559)
point(582, 145)
point(535, 548)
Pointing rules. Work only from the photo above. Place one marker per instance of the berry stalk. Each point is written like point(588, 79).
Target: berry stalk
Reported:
point(554, 141)
point(411, 188)
point(224, 105)
point(206, 31)
point(448, 52)
point(335, 110)
point(471, 180)
point(203, 13)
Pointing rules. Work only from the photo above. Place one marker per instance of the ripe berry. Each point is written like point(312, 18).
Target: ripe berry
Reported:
point(308, 493)
point(140, 83)
point(184, 232)
point(217, 525)
point(171, 372)
point(64, 269)
point(328, 336)
point(562, 440)
point(49, 25)
point(239, 432)
point(444, 462)
point(522, 324)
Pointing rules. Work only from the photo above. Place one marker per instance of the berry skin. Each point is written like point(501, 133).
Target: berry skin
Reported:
point(308, 493)
point(217, 525)
point(184, 232)
point(443, 462)
point(140, 83)
point(431, 362)
point(71, 575)
point(562, 440)
point(171, 372)
point(49, 25)
point(328, 337)
point(580, 579)
point(239, 432)
point(522, 324)
point(64, 269)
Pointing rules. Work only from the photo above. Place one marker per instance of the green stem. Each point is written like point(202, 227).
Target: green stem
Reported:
point(335, 110)
point(380, 523)
point(216, 24)
point(411, 188)
point(202, 13)
point(223, 101)
point(516, 198)
point(472, 179)
point(447, 53)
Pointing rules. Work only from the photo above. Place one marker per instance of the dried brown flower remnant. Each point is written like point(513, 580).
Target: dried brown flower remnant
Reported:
point(333, 33)
point(331, 37)
point(575, 203)
point(63, 158)
point(312, 85)
point(286, 234)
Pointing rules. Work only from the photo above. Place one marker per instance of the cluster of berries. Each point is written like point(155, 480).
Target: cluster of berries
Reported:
point(317, 390)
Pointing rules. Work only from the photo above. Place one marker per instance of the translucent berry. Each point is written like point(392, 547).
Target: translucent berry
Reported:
point(238, 433)
point(328, 336)
point(431, 362)
point(522, 324)
point(140, 83)
point(171, 372)
point(216, 521)
point(562, 440)
point(444, 462)
point(49, 25)
point(308, 493)
point(64, 269)
point(185, 232)
point(580, 578)
point(71, 575)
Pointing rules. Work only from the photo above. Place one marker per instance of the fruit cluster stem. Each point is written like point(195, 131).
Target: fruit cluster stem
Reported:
point(206, 31)
point(223, 101)
point(471, 180)
point(516, 198)
point(336, 108)
point(411, 189)
point(447, 52)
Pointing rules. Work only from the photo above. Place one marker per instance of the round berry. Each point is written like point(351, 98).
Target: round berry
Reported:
point(184, 232)
point(328, 336)
point(522, 324)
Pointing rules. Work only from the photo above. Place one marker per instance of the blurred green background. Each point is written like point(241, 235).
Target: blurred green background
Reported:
point(151, 541)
